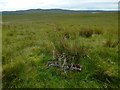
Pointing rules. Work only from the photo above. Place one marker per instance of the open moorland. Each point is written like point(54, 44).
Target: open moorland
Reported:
point(31, 40)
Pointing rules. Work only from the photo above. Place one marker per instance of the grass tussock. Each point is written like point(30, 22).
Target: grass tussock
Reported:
point(108, 79)
point(73, 49)
point(86, 32)
point(98, 31)
point(11, 73)
point(89, 32)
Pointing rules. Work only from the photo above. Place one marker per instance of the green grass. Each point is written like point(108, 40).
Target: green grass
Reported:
point(29, 39)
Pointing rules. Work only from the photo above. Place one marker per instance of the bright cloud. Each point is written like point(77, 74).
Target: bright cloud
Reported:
point(7, 5)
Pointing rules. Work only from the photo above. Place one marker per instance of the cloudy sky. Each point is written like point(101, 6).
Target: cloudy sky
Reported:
point(12, 5)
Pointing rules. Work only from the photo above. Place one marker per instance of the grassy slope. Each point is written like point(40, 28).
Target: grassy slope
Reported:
point(27, 48)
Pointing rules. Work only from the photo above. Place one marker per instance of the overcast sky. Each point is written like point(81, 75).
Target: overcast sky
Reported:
point(12, 5)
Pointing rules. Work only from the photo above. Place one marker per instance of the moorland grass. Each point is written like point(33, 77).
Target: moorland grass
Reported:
point(29, 39)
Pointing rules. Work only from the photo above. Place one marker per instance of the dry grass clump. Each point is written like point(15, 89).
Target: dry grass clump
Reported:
point(86, 32)
point(98, 31)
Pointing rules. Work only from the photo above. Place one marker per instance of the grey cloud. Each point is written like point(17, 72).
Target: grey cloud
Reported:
point(64, 4)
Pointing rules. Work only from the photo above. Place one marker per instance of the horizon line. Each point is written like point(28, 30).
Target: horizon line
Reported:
point(62, 9)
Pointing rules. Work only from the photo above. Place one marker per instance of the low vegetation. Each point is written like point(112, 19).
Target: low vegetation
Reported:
point(90, 40)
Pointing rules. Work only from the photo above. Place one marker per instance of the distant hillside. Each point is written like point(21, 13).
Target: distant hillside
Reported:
point(51, 11)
